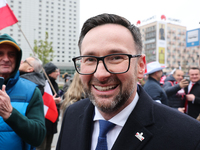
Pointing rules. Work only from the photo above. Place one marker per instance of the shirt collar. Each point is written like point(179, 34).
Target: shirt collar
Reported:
point(121, 117)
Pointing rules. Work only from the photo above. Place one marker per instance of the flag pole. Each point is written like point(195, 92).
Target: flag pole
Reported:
point(35, 56)
point(26, 38)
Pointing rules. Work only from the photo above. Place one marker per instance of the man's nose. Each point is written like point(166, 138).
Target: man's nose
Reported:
point(101, 72)
point(5, 57)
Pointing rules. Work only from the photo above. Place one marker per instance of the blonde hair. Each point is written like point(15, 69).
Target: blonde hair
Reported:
point(74, 93)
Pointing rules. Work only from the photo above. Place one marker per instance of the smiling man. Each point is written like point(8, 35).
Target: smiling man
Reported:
point(118, 114)
point(22, 124)
point(192, 93)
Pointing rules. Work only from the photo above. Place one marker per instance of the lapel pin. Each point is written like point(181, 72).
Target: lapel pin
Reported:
point(139, 136)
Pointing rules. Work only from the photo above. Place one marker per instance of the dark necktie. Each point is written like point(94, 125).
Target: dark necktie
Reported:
point(104, 126)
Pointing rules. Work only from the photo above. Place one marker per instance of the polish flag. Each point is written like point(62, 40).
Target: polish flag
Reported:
point(7, 18)
point(50, 109)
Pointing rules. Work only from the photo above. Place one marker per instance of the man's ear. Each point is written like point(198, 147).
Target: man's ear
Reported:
point(30, 69)
point(141, 66)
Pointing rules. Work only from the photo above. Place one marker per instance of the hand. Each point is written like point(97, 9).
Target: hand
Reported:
point(181, 109)
point(190, 97)
point(183, 83)
point(5, 104)
point(56, 99)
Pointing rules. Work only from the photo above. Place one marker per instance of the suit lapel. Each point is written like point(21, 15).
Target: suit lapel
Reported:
point(141, 116)
point(86, 127)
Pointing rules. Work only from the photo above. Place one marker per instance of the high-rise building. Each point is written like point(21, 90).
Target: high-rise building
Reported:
point(193, 47)
point(60, 18)
point(164, 41)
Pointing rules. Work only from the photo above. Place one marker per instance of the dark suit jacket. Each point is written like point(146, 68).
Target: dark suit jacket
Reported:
point(163, 128)
point(194, 108)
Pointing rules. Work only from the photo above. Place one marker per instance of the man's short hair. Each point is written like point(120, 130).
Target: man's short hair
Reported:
point(194, 68)
point(37, 64)
point(111, 19)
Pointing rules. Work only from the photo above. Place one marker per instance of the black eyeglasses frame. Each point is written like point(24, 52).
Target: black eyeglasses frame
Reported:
point(102, 59)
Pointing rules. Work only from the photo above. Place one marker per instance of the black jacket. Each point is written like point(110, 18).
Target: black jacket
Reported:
point(194, 108)
point(163, 128)
point(175, 99)
point(153, 88)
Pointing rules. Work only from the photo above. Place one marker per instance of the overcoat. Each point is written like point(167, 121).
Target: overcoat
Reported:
point(161, 126)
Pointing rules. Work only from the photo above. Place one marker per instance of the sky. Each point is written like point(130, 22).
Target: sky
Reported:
point(187, 11)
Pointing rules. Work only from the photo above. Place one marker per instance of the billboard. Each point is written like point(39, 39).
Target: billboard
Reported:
point(193, 38)
point(161, 42)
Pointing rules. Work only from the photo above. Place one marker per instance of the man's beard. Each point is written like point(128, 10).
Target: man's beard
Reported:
point(115, 103)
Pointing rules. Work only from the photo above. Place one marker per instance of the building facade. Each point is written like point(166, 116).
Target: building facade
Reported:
point(59, 18)
point(174, 53)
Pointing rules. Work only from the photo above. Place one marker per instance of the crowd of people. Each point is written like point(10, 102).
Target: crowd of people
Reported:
point(103, 107)
point(177, 91)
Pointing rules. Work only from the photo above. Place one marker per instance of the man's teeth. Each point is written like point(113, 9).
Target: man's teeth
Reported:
point(105, 88)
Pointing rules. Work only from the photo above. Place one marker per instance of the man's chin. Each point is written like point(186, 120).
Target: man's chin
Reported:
point(105, 104)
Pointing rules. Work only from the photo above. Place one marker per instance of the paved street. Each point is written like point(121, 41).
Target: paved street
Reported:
point(55, 138)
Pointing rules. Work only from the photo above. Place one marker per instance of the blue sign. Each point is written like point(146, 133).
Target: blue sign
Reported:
point(193, 38)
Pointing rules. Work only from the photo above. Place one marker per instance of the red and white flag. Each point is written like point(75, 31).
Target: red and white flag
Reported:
point(50, 109)
point(7, 17)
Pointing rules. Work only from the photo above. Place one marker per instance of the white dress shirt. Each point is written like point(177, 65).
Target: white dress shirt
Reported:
point(190, 86)
point(119, 120)
point(189, 89)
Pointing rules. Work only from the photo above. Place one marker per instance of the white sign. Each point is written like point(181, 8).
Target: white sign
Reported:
point(192, 36)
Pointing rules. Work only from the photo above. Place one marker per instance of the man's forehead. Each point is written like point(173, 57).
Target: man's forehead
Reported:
point(194, 71)
point(4, 47)
point(179, 72)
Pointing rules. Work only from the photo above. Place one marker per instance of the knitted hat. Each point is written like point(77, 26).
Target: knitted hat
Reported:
point(49, 68)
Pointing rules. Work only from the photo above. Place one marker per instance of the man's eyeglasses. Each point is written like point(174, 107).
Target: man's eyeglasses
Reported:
point(114, 63)
point(25, 61)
